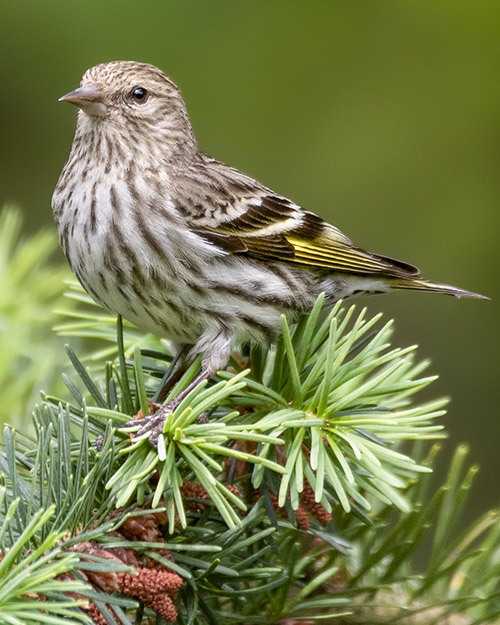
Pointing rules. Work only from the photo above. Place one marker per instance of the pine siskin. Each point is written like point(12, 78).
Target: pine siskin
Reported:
point(185, 246)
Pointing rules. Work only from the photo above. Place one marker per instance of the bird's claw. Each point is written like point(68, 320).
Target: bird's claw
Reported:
point(151, 424)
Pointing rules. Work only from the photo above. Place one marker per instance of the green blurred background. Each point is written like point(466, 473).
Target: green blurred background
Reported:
point(383, 117)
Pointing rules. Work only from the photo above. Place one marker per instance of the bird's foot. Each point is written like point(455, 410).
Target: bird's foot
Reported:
point(152, 424)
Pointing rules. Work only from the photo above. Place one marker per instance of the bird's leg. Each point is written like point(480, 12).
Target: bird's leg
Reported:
point(172, 376)
point(215, 345)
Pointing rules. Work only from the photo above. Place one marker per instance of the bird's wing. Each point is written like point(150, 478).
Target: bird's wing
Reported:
point(253, 221)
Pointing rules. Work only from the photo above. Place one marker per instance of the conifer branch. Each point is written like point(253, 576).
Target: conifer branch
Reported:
point(293, 487)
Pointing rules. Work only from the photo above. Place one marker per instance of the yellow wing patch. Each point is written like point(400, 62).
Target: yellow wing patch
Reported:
point(276, 230)
point(331, 255)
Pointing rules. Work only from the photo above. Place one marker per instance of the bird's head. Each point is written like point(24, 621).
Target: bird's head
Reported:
point(131, 97)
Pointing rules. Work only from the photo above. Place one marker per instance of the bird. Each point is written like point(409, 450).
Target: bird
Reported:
point(185, 246)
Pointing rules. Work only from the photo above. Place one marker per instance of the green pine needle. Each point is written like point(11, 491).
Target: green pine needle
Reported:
point(329, 410)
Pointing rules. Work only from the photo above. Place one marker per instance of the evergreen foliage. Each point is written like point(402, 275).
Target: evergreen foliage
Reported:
point(293, 487)
point(30, 287)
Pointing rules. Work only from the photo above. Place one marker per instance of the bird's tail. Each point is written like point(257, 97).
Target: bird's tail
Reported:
point(418, 284)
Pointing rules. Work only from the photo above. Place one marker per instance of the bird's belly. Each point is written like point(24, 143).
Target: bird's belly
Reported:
point(183, 309)
point(148, 309)
point(152, 305)
point(179, 300)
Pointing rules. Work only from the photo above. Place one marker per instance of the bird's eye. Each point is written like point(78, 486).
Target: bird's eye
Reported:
point(140, 95)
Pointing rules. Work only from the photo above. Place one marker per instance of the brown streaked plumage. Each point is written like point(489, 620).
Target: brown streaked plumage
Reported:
point(185, 246)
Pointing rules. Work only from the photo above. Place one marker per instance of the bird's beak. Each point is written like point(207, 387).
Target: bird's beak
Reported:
point(90, 99)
